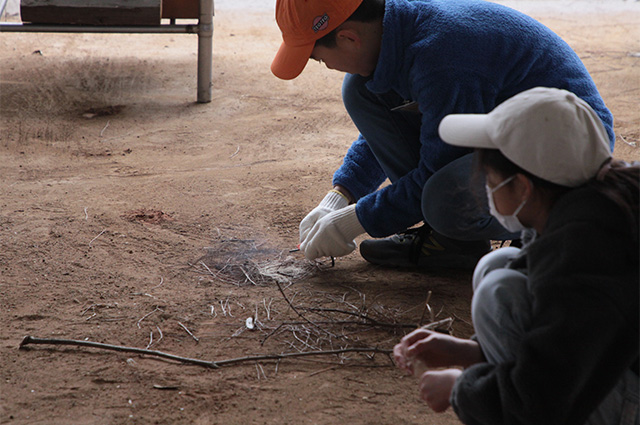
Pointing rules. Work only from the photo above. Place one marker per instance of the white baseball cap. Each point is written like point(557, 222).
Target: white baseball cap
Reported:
point(551, 133)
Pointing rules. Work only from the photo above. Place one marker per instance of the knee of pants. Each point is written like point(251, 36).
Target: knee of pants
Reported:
point(435, 206)
point(501, 303)
point(497, 259)
point(454, 204)
point(450, 203)
point(433, 200)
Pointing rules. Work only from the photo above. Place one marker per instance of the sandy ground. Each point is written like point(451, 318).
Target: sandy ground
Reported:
point(131, 215)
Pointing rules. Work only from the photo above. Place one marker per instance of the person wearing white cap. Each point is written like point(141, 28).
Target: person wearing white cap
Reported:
point(556, 322)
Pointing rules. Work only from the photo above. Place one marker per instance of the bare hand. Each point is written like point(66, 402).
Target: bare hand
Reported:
point(435, 350)
point(436, 388)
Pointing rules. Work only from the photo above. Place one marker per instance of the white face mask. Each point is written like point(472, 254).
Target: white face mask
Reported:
point(509, 222)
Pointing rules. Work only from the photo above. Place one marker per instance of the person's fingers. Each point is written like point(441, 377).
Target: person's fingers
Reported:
point(418, 347)
point(306, 246)
point(416, 335)
point(419, 342)
point(400, 357)
point(308, 222)
point(435, 389)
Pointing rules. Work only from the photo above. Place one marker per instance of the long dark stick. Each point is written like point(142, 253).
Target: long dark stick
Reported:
point(216, 364)
point(55, 341)
point(303, 354)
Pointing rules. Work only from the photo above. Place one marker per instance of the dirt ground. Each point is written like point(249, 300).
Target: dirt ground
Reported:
point(131, 215)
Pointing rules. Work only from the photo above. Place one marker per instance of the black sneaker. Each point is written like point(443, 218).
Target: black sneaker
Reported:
point(422, 247)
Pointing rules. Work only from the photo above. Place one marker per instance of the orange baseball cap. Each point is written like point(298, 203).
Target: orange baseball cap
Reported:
point(302, 22)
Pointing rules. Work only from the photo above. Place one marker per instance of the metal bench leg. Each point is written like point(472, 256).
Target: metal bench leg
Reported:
point(205, 51)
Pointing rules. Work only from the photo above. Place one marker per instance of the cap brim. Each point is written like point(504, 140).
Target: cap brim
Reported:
point(290, 61)
point(466, 130)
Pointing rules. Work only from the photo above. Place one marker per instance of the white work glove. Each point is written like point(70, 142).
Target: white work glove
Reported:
point(333, 235)
point(332, 202)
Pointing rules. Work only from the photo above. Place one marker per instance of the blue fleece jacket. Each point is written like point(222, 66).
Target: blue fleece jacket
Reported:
point(453, 56)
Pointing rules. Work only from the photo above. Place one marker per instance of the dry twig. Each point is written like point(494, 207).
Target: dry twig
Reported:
point(444, 324)
point(189, 332)
point(105, 127)
point(147, 315)
point(100, 234)
point(209, 364)
point(158, 285)
point(300, 314)
point(427, 307)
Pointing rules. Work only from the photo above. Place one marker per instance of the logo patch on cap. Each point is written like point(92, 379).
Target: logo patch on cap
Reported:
point(320, 23)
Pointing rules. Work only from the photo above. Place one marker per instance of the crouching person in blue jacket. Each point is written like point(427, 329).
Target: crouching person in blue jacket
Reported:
point(409, 63)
